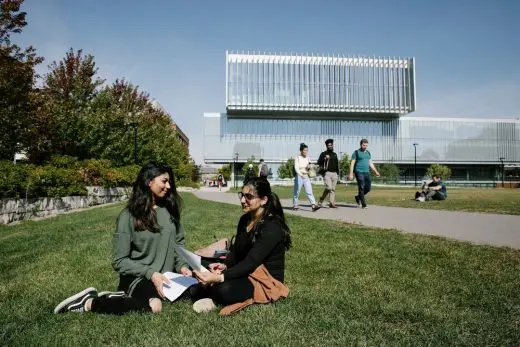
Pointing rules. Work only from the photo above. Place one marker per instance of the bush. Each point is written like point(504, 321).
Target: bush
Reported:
point(286, 170)
point(439, 170)
point(389, 173)
point(13, 179)
point(54, 182)
point(62, 176)
point(64, 161)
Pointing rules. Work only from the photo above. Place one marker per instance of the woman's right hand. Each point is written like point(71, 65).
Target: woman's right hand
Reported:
point(158, 279)
point(217, 267)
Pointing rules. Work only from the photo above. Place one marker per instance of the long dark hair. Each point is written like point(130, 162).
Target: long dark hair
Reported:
point(272, 209)
point(140, 204)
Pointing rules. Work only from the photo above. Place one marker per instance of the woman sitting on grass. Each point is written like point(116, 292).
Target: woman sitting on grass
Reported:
point(262, 238)
point(143, 248)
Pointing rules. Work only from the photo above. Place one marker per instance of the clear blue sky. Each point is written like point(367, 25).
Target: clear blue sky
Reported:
point(467, 51)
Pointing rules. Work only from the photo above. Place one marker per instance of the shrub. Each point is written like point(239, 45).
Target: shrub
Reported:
point(440, 170)
point(286, 170)
point(64, 161)
point(13, 179)
point(389, 173)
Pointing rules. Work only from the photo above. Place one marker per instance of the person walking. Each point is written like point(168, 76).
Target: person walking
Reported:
point(329, 164)
point(263, 169)
point(360, 166)
point(301, 178)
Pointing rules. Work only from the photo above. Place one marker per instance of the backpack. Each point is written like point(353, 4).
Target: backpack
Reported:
point(264, 170)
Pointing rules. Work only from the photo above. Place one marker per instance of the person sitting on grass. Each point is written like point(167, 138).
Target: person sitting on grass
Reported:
point(262, 238)
point(432, 190)
point(143, 248)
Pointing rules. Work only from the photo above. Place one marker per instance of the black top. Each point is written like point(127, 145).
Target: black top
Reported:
point(267, 248)
point(333, 164)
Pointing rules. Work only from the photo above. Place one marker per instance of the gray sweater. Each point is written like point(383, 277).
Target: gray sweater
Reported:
point(141, 253)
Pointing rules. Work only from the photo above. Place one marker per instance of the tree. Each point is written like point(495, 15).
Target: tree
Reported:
point(246, 166)
point(439, 170)
point(225, 171)
point(344, 165)
point(64, 107)
point(389, 173)
point(17, 77)
point(116, 112)
point(286, 170)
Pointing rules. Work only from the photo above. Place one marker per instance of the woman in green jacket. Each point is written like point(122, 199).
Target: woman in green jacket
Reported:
point(143, 248)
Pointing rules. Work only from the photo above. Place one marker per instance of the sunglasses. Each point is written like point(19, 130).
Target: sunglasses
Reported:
point(248, 196)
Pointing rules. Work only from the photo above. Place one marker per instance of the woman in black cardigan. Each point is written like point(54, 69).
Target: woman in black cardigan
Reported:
point(262, 238)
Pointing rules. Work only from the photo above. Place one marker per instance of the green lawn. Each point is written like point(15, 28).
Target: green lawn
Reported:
point(348, 285)
point(501, 201)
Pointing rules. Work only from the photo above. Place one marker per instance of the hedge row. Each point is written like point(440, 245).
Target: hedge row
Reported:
point(61, 176)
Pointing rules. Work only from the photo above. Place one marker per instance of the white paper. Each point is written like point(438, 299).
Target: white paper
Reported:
point(179, 284)
point(194, 261)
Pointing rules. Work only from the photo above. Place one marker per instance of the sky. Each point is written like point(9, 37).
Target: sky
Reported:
point(467, 51)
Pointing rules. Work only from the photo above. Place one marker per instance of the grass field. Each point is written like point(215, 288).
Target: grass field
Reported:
point(501, 201)
point(348, 285)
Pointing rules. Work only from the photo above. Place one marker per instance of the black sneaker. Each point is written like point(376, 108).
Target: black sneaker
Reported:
point(109, 294)
point(76, 303)
point(358, 200)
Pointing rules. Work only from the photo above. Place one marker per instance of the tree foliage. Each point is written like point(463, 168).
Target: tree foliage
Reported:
point(246, 166)
point(64, 105)
point(439, 170)
point(225, 171)
point(286, 170)
point(389, 173)
point(73, 115)
point(16, 81)
point(344, 165)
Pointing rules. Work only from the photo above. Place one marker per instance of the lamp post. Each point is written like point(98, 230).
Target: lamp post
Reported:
point(235, 160)
point(134, 124)
point(502, 162)
point(415, 163)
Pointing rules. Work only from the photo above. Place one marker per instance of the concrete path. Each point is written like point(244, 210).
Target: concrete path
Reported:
point(479, 228)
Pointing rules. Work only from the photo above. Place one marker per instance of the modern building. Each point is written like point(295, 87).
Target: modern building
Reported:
point(276, 101)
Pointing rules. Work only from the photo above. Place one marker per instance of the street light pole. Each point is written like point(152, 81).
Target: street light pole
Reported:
point(235, 160)
point(502, 161)
point(415, 163)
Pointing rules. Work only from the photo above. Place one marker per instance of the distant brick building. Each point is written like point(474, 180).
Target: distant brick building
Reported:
point(180, 134)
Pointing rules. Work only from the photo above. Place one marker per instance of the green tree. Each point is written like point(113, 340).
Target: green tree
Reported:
point(225, 171)
point(65, 103)
point(439, 170)
point(17, 77)
point(116, 112)
point(246, 166)
point(286, 170)
point(389, 173)
point(344, 165)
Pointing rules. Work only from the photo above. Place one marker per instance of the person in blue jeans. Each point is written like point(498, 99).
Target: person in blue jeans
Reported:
point(360, 167)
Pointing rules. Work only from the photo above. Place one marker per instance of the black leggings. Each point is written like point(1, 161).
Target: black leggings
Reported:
point(225, 293)
point(139, 300)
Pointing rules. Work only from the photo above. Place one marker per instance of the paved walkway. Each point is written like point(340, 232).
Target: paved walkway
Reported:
point(479, 228)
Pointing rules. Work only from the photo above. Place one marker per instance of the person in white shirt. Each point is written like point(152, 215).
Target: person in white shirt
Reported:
point(301, 178)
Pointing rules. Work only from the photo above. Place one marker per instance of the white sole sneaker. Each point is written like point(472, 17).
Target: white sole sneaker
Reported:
point(204, 305)
point(73, 298)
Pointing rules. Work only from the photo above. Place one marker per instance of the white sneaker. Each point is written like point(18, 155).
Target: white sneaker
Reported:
point(204, 305)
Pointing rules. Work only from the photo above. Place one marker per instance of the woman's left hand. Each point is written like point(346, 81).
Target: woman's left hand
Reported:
point(186, 272)
point(206, 278)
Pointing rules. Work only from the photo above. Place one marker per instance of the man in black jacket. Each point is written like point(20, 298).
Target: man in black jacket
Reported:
point(329, 166)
